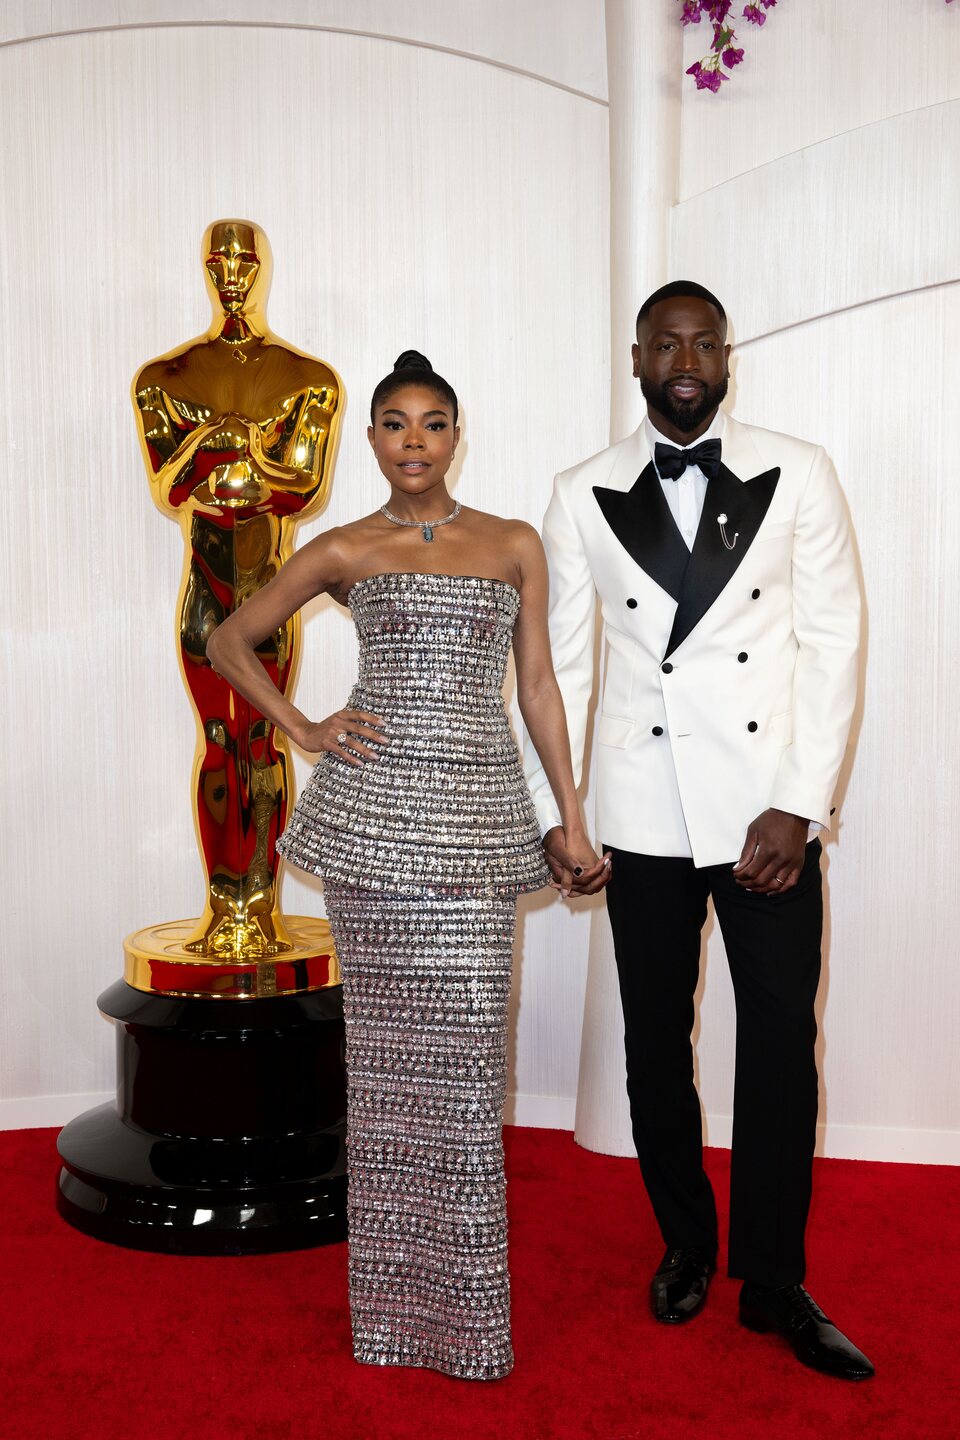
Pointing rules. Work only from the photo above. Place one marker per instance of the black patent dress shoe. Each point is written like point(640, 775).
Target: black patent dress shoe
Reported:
point(815, 1340)
point(679, 1287)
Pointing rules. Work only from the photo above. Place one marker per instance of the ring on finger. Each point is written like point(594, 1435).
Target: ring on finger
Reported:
point(342, 738)
point(778, 879)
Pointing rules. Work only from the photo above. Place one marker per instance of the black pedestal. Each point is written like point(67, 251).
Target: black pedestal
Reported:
point(227, 1136)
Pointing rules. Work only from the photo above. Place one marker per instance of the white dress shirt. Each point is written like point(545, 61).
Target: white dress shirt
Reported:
point(685, 495)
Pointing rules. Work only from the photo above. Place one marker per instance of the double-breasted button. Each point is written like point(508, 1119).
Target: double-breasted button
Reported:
point(631, 603)
point(754, 594)
point(657, 730)
point(667, 668)
point(743, 657)
point(752, 726)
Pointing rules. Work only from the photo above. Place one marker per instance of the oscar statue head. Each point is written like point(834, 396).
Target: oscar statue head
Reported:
point(238, 265)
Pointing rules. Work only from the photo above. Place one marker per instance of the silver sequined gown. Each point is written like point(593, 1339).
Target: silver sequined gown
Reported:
point(422, 855)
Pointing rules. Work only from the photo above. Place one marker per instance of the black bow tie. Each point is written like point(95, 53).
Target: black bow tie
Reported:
point(671, 462)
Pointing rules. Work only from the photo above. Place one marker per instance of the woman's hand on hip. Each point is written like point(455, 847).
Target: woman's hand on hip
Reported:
point(357, 729)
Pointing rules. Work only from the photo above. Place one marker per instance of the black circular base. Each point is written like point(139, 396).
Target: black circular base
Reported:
point(228, 1132)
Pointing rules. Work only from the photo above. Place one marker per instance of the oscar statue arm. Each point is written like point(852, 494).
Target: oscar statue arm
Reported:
point(171, 432)
point(294, 449)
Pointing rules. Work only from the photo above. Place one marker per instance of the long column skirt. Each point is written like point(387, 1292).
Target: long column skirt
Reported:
point(426, 981)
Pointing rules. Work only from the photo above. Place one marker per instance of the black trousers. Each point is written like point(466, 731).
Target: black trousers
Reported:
point(657, 907)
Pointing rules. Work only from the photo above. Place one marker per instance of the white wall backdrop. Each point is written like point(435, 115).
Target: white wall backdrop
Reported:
point(560, 43)
point(413, 196)
point(446, 187)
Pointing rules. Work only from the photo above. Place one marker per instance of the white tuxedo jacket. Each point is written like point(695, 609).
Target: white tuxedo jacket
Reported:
point(730, 674)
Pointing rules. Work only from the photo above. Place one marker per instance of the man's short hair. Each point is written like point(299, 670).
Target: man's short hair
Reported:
point(674, 289)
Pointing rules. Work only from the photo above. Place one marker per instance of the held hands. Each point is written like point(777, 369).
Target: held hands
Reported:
point(346, 727)
point(772, 855)
point(573, 862)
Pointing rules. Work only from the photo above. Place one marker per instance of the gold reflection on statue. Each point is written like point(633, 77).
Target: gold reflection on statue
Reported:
point(239, 434)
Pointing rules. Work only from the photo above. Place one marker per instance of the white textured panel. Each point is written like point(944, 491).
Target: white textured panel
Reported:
point(868, 214)
point(815, 70)
point(540, 1112)
point(877, 387)
point(411, 198)
point(914, 1146)
point(528, 35)
point(36, 1112)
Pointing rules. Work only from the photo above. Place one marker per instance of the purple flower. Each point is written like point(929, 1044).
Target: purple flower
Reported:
point(768, 4)
point(691, 12)
point(755, 15)
point(732, 57)
point(718, 10)
point(707, 79)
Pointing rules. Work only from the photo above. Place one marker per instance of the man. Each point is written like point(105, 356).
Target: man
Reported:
point(724, 566)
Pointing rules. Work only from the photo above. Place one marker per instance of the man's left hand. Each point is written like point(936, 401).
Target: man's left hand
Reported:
point(772, 856)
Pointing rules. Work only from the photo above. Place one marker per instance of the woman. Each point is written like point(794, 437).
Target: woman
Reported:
point(418, 818)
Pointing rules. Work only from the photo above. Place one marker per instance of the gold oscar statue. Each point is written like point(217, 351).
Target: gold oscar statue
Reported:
point(239, 435)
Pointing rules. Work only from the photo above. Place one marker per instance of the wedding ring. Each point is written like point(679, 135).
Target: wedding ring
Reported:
point(778, 880)
point(342, 738)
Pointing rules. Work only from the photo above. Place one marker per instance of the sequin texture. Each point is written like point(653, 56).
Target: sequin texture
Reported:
point(446, 804)
point(426, 980)
point(422, 856)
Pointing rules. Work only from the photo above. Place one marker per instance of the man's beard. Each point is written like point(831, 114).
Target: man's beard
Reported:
point(684, 415)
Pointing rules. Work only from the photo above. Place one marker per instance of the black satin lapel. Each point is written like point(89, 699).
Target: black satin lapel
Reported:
point(641, 520)
point(711, 563)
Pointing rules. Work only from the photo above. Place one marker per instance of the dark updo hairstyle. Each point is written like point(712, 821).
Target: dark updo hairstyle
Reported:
point(412, 368)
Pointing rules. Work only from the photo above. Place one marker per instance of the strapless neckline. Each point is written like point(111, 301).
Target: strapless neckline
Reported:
point(429, 575)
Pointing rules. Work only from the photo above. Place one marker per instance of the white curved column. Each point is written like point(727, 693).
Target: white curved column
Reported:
point(644, 72)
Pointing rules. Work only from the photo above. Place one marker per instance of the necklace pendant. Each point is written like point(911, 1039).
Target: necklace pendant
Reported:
point(428, 534)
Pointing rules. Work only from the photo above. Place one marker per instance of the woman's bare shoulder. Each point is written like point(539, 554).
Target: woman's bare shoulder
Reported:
point(505, 528)
point(343, 553)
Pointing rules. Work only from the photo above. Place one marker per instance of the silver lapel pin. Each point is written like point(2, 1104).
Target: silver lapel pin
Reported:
point(721, 521)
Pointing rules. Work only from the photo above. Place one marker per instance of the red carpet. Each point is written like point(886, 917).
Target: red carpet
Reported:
point(113, 1344)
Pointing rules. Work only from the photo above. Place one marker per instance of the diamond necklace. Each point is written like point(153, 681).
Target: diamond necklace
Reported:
point(427, 526)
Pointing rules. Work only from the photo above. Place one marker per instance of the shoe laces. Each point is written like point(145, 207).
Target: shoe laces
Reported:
point(803, 1307)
